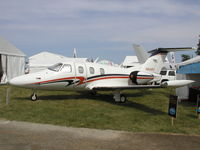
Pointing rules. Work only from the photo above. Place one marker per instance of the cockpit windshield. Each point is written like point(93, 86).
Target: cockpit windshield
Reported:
point(55, 67)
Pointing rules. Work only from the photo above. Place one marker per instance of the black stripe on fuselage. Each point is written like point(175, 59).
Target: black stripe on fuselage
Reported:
point(107, 75)
point(70, 82)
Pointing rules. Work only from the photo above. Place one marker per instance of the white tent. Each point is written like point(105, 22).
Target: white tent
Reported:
point(43, 60)
point(131, 61)
point(107, 62)
point(190, 61)
point(12, 61)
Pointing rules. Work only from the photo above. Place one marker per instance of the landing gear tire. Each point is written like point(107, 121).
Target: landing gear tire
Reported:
point(123, 98)
point(93, 93)
point(34, 97)
point(118, 97)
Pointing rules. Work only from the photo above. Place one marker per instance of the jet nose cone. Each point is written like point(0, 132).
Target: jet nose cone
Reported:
point(17, 81)
point(14, 81)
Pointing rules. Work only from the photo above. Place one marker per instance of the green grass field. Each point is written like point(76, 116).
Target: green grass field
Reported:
point(145, 111)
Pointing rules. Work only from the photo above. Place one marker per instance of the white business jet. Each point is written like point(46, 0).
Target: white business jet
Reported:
point(74, 75)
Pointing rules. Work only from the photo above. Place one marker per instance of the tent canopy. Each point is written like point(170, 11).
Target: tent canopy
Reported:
point(7, 48)
point(130, 61)
point(190, 61)
point(12, 61)
point(191, 66)
point(45, 59)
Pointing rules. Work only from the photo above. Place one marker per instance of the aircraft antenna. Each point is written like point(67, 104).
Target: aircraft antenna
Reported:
point(75, 54)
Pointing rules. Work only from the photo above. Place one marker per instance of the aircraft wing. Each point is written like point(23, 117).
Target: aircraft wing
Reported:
point(110, 88)
point(158, 50)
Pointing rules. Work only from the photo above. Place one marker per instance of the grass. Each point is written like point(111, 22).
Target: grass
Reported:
point(146, 110)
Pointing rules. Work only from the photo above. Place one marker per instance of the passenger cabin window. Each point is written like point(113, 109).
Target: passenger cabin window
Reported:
point(66, 68)
point(80, 69)
point(163, 72)
point(171, 73)
point(55, 67)
point(102, 71)
point(91, 70)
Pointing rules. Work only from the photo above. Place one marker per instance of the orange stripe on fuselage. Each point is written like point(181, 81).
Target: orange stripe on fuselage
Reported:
point(82, 79)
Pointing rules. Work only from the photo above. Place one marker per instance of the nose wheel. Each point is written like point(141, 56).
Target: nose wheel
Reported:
point(34, 97)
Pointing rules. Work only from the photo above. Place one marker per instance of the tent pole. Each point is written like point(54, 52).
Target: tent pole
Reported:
point(7, 65)
point(8, 95)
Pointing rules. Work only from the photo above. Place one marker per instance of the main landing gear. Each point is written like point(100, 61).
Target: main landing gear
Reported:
point(34, 97)
point(118, 97)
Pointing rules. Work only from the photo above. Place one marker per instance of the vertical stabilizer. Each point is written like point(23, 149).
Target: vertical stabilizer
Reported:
point(154, 63)
point(140, 53)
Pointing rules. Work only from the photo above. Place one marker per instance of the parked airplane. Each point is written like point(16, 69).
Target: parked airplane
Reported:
point(140, 53)
point(76, 75)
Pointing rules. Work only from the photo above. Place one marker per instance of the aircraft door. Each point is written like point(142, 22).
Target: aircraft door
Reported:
point(68, 69)
point(67, 72)
point(81, 73)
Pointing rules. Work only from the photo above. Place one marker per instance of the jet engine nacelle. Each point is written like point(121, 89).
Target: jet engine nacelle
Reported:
point(138, 77)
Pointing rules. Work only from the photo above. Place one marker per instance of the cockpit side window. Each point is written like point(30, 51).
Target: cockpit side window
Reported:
point(55, 67)
point(66, 68)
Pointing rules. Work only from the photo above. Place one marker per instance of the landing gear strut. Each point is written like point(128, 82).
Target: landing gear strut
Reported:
point(118, 97)
point(93, 93)
point(34, 97)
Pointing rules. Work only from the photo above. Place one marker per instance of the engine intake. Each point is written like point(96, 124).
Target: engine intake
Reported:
point(138, 77)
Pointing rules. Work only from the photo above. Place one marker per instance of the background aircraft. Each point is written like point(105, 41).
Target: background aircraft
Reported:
point(74, 75)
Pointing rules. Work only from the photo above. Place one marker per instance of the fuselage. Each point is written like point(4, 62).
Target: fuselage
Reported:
point(74, 75)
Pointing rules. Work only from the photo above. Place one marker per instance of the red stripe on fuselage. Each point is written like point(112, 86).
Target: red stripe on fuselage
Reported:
point(82, 79)
point(61, 79)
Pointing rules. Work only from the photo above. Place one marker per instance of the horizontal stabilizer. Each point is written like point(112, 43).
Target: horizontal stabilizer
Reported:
point(159, 50)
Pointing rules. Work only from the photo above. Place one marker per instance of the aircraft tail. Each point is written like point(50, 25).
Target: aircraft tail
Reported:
point(140, 53)
point(156, 61)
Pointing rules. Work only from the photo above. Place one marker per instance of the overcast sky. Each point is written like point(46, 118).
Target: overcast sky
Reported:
point(104, 28)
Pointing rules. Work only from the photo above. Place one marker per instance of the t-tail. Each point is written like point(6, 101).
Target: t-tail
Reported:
point(150, 70)
point(156, 61)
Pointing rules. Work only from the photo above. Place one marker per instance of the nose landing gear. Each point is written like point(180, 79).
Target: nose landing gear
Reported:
point(34, 97)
